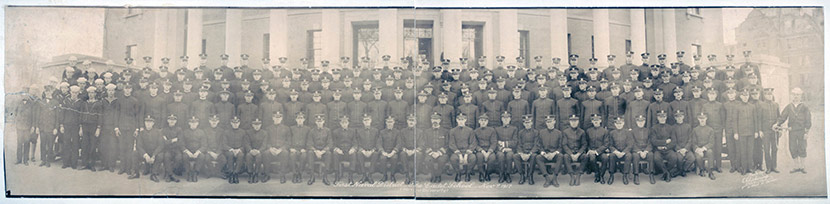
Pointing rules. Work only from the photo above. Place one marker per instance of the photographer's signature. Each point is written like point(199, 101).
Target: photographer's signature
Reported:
point(754, 180)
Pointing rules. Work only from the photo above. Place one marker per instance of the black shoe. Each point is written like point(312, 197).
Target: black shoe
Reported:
point(636, 179)
point(668, 177)
point(547, 182)
point(174, 179)
point(597, 178)
point(743, 173)
point(351, 181)
point(711, 176)
point(457, 177)
point(625, 179)
point(154, 178)
point(573, 180)
point(407, 181)
point(767, 171)
point(610, 179)
point(265, 178)
point(509, 178)
point(794, 170)
point(311, 181)
point(393, 179)
point(466, 178)
point(283, 179)
point(251, 177)
point(522, 179)
point(578, 178)
point(718, 170)
point(773, 170)
point(530, 178)
point(134, 176)
point(732, 170)
point(683, 173)
point(326, 181)
point(501, 178)
point(803, 171)
point(385, 178)
point(651, 178)
point(555, 181)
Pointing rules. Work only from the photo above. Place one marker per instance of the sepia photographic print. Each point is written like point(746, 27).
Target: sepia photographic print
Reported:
point(414, 102)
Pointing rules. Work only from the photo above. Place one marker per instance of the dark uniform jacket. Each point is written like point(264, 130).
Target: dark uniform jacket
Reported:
point(389, 140)
point(799, 116)
point(149, 142)
point(507, 136)
point(551, 140)
point(462, 139)
point(257, 139)
point(683, 136)
point(278, 136)
point(621, 140)
point(486, 138)
point(659, 134)
point(528, 140)
point(434, 138)
point(575, 140)
point(194, 140)
point(235, 139)
point(597, 139)
point(703, 136)
point(368, 138)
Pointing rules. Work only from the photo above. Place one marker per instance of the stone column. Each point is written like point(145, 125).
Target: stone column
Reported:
point(638, 31)
point(669, 34)
point(559, 34)
point(194, 34)
point(388, 30)
point(233, 36)
point(602, 38)
point(330, 37)
point(509, 34)
point(451, 30)
point(159, 38)
point(278, 34)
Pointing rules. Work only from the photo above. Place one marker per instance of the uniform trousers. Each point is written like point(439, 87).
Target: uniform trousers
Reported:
point(71, 144)
point(746, 146)
point(555, 161)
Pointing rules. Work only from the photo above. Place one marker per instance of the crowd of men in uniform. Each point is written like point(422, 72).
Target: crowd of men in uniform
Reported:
point(663, 120)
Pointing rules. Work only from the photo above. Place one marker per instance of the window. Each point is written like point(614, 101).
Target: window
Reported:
point(132, 50)
point(417, 40)
point(524, 46)
point(266, 45)
point(697, 49)
point(569, 45)
point(314, 48)
point(366, 38)
point(627, 46)
point(472, 42)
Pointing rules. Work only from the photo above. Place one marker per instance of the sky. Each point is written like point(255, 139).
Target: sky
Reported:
point(35, 35)
point(732, 18)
